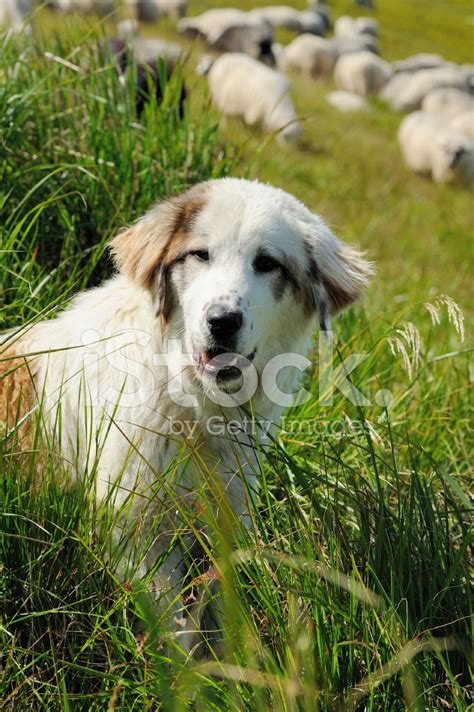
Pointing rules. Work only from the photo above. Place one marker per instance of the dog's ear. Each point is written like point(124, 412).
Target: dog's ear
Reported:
point(146, 252)
point(339, 274)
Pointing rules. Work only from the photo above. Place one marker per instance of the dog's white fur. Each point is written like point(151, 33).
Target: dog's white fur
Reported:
point(98, 363)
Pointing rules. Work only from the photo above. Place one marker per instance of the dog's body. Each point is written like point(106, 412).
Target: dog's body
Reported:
point(230, 266)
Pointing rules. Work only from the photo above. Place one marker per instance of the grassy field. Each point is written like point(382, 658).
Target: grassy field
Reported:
point(352, 592)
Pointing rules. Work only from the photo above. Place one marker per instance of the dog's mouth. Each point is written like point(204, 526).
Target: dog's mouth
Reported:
point(222, 365)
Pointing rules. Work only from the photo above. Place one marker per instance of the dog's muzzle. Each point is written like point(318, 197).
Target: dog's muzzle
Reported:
point(222, 365)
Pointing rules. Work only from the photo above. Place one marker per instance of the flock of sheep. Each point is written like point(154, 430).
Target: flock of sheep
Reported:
point(246, 72)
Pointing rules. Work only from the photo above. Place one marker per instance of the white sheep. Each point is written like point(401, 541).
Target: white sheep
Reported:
point(356, 43)
point(290, 19)
point(464, 122)
point(278, 50)
point(424, 60)
point(14, 14)
point(148, 50)
point(102, 7)
point(367, 25)
point(312, 22)
point(242, 86)
point(431, 146)
point(310, 54)
point(447, 102)
point(362, 73)
point(212, 23)
point(323, 11)
point(347, 101)
point(173, 8)
point(346, 26)
point(406, 91)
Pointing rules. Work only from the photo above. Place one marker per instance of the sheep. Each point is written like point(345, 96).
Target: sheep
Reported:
point(255, 41)
point(175, 9)
point(148, 74)
point(152, 10)
point(14, 14)
point(431, 146)
point(148, 50)
point(406, 91)
point(145, 10)
point(278, 51)
point(242, 86)
point(322, 10)
point(346, 101)
point(212, 23)
point(102, 7)
point(312, 22)
point(346, 26)
point(367, 25)
point(423, 60)
point(362, 73)
point(464, 122)
point(127, 29)
point(447, 102)
point(357, 43)
point(395, 88)
point(290, 19)
point(310, 54)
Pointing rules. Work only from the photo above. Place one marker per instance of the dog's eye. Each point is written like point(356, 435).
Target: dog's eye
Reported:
point(264, 263)
point(201, 255)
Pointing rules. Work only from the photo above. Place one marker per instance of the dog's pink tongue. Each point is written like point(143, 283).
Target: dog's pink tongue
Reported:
point(206, 357)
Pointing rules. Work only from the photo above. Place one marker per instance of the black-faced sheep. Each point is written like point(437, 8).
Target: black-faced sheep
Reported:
point(256, 41)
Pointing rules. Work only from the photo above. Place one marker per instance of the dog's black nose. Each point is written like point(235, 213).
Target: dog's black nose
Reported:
point(223, 322)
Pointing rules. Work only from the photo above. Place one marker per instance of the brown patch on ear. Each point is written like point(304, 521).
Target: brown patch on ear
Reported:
point(17, 395)
point(335, 277)
point(147, 251)
point(346, 278)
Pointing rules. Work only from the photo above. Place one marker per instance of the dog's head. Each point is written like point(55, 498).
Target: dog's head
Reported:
point(240, 272)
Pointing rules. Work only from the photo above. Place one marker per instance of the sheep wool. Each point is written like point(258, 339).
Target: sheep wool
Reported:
point(242, 86)
point(447, 102)
point(362, 73)
point(310, 54)
point(431, 146)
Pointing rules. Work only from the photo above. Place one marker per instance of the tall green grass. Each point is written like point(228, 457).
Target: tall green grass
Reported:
point(77, 163)
point(352, 589)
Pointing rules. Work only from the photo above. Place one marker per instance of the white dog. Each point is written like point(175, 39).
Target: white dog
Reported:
point(217, 288)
